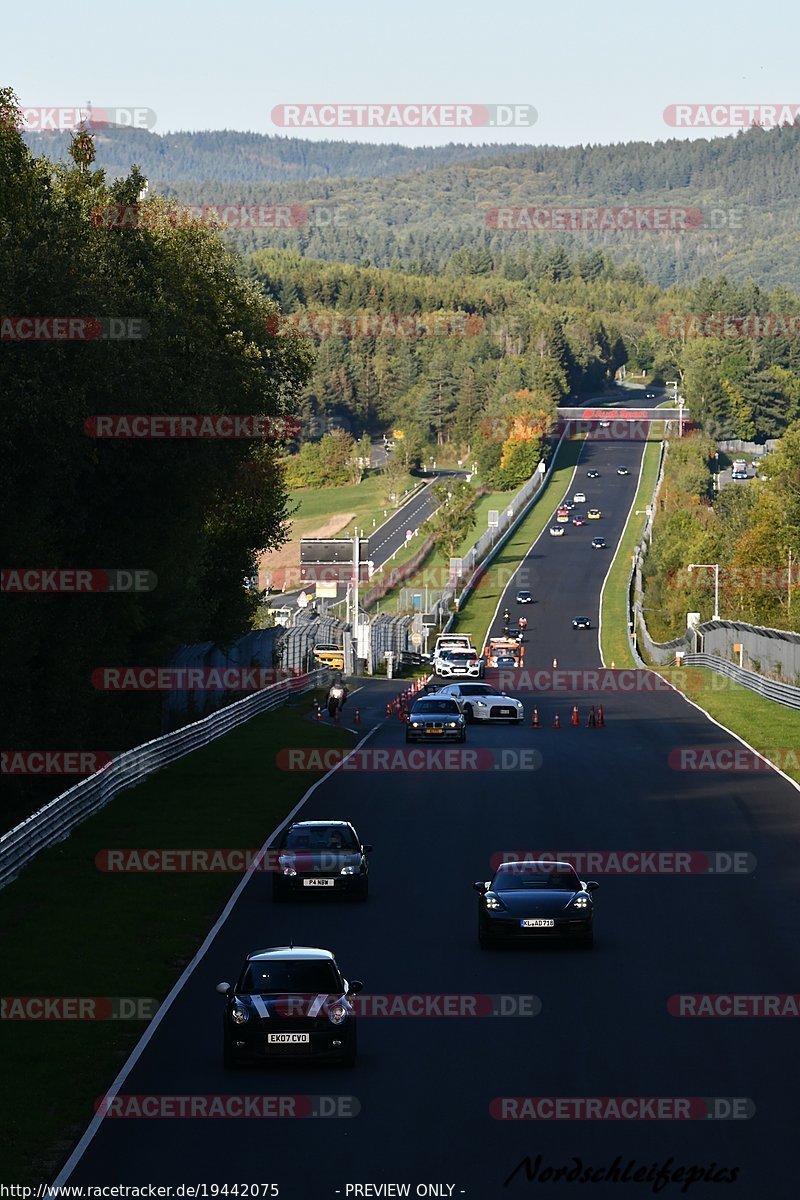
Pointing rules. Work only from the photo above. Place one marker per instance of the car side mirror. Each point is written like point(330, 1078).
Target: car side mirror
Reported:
point(223, 988)
point(367, 849)
point(480, 886)
point(354, 987)
point(592, 886)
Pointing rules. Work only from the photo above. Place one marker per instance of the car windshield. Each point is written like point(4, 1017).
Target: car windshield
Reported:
point(320, 837)
point(505, 660)
point(434, 707)
point(518, 876)
point(475, 689)
point(284, 975)
point(461, 655)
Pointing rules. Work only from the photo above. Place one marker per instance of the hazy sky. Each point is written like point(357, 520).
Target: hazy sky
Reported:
point(594, 71)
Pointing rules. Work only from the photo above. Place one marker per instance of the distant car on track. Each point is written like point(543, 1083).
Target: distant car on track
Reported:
point(598, 543)
point(579, 520)
point(290, 1003)
point(592, 474)
point(556, 531)
point(594, 514)
point(481, 702)
point(535, 901)
point(623, 471)
point(604, 424)
point(581, 623)
point(524, 597)
point(579, 498)
point(321, 856)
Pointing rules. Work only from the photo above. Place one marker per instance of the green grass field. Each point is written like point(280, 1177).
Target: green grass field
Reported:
point(614, 607)
point(70, 929)
point(479, 609)
point(365, 499)
point(771, 728)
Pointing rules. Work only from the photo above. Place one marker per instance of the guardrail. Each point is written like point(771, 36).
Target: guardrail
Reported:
point(783, 693)
point(56, 820)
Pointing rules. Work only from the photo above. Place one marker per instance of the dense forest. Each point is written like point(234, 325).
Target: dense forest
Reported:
point(752, 531)
point(415, 208)
point(538, 322)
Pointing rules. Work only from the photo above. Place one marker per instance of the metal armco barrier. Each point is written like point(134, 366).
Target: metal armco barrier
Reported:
point(783, 693)
point(56, 820)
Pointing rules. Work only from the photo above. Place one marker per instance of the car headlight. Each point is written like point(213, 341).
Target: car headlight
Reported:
point(452, 724)
point(481, 703)
point(415, 724)
point(349, 871)
point(289, 871)
point(581, 902)
point(239, 1014)
point(492, 902)
point(337, 1013)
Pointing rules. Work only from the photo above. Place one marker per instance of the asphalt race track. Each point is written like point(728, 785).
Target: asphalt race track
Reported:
point(425, 1084)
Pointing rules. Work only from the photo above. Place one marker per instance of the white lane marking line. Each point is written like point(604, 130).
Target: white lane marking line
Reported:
point(147, 1036)
point(719, 725)
point(614, 559)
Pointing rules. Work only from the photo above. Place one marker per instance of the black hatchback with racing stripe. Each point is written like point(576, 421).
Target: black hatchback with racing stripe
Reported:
point(291, 1002)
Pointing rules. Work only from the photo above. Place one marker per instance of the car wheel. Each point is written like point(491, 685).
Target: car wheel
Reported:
point(469, 713)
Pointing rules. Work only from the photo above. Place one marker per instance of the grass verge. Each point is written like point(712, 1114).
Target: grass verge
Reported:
point(69, 929)
point(769, 727)
point(477, 613)
point(614, 645)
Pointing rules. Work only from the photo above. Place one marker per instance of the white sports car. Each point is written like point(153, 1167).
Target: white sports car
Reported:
point(556, 531)
point(480, 702)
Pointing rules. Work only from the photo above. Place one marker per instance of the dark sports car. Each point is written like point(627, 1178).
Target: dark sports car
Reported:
point(291, 1002)
point(435, 718)
point(321, 856)
point(581, 623)
point(535, 901)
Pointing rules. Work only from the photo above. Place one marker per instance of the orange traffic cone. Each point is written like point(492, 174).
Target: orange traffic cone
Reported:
point(555, 664)
point(389, 709)
point(575, 718)
point(557, 722)
point(601, 722)
point(592, 722)
point(317, 711)
point(535, 719)
point(357, 717)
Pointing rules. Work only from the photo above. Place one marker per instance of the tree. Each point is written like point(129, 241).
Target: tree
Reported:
point(455, 518)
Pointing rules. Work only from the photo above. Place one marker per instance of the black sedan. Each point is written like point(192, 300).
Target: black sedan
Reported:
point(581, 623)
point(592, 474)
point(320, 856)
point(291, 1002)
point(524, 597)
point(535, 901)
point(435, 718)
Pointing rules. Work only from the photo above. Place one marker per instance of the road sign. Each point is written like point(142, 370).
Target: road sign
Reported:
point(332, 559)
point(416, 639)
point(302, 600)
point(494, 518)
point(326, 590)
point(430, 619)
point(409, 534)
